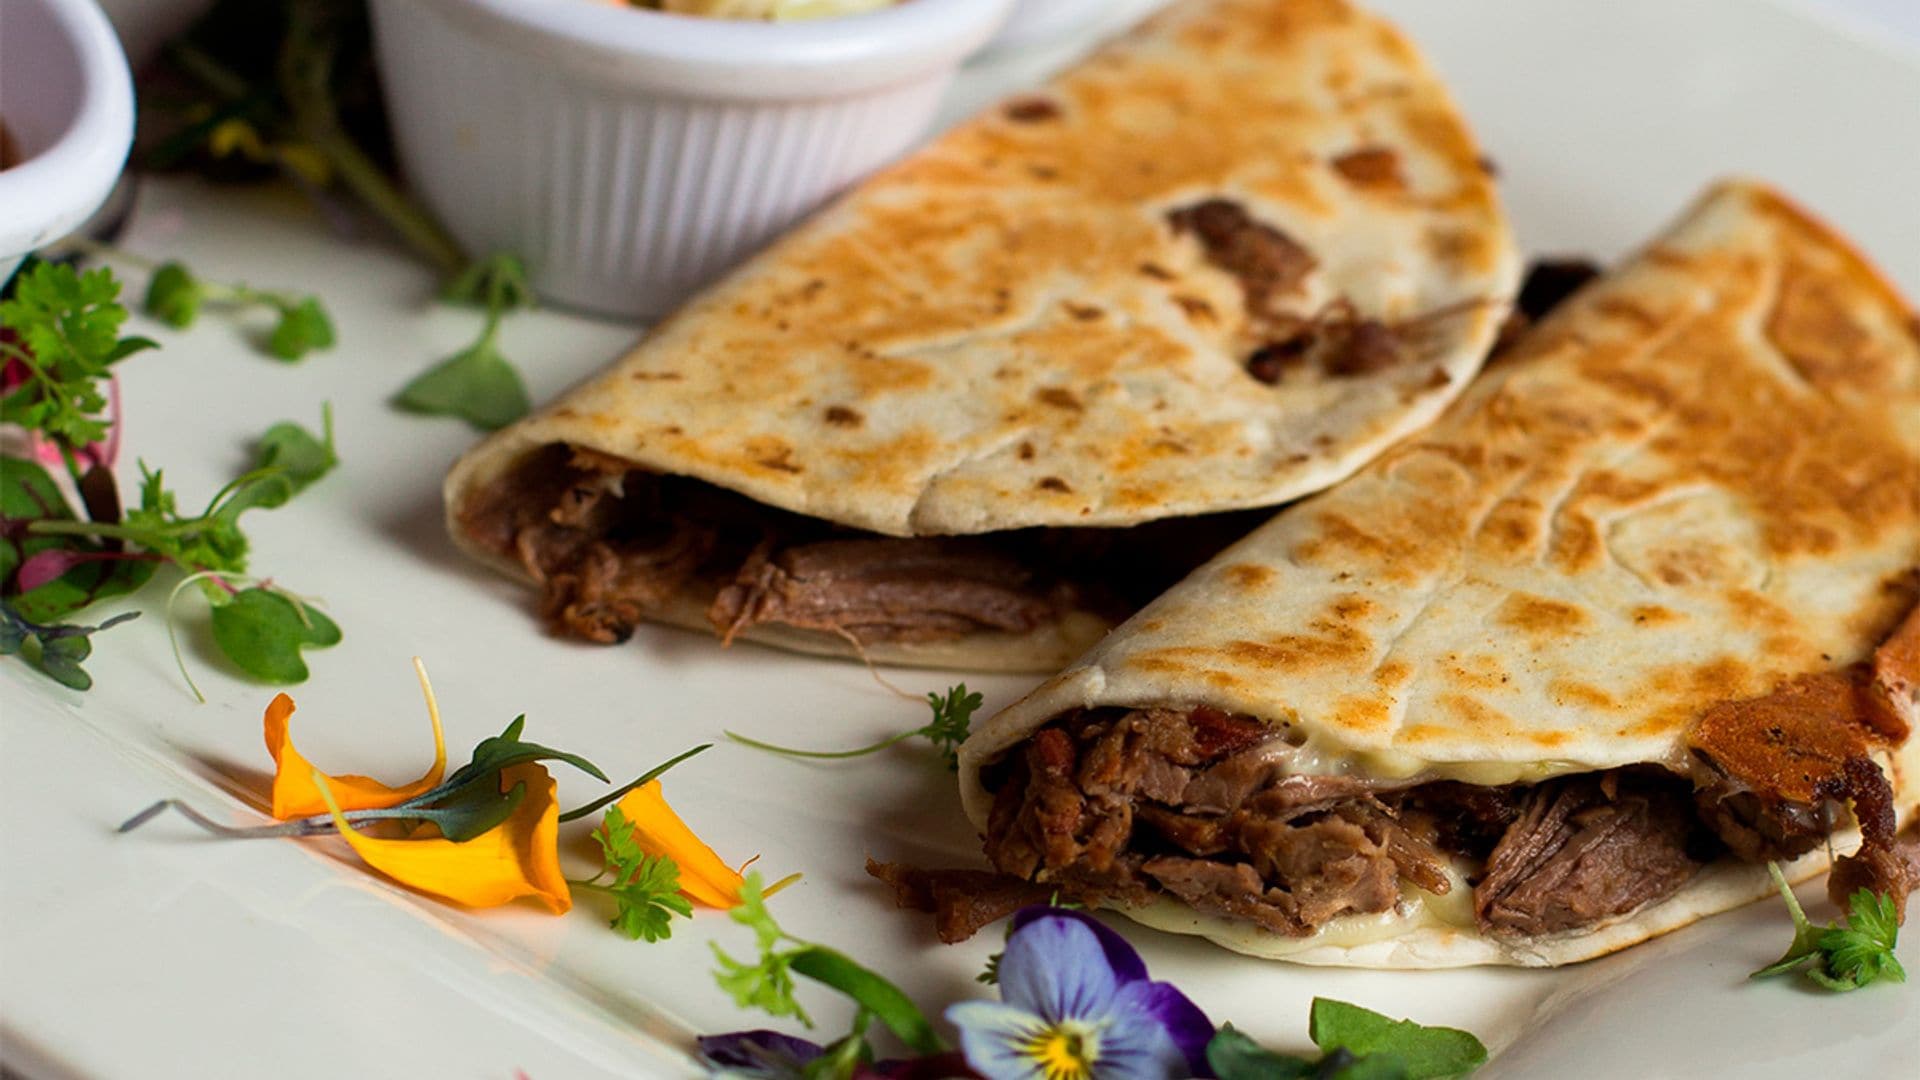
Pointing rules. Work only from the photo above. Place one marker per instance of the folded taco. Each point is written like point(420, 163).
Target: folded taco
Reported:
point(998, 396)
point(1557, 675)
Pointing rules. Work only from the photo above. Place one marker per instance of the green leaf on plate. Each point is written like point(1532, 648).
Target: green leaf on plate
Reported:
point(1234, 1056)
point(477, 385)
point(1423, 1051)
point(174, 296)
point(28, 494)
point(303, 327)
point(57, 650)
point(291, 451)
point(264, 632)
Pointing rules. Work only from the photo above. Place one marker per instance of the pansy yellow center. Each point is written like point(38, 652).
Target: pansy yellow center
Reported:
point(1066, 1051)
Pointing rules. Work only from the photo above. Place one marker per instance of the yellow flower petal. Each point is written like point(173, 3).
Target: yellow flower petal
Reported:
point(659, 831)
point(294, 793)
point(518, 857)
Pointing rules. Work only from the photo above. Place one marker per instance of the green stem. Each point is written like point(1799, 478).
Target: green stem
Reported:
point(647, 777)
point(211, 73)
point(425, 235)
point(73, 463)
point(95, 528)
point(826, 755)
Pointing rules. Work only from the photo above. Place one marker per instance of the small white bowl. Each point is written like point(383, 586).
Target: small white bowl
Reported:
point(1037, 23)
point(69, 106)
point(629, 156)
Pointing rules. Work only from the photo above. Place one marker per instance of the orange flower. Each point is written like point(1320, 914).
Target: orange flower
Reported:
point(296, 795)
point(659, 831)
point(518, 857)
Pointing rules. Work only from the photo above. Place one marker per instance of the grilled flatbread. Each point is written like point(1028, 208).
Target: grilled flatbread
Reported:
point(1218, 266)
point(1555, 676)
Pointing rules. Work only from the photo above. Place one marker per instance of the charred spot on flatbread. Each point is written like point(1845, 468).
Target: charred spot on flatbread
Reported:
point(1267, 263)
point(1371, 168)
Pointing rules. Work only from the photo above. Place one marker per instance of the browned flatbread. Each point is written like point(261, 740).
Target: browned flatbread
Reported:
point(1693, 493)
point(1219, 265)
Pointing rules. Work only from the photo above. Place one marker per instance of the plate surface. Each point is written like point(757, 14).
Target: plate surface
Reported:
point(163, 954)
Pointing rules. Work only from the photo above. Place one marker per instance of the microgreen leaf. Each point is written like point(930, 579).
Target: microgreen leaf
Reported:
point(291, 451)
point(47, 578)
point(302, 328)
point(173, 295)
point(58, 650)
point(497, 283)
point(952, 717)
point(289, 459)
point(646, 888)
point(263, 631)
point(497, 752)
point(1423, 1051)
point(476, 384)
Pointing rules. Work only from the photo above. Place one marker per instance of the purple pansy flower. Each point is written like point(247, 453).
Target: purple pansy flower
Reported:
point(769, 1055)
point(1075, 1004)
point(762, 1054)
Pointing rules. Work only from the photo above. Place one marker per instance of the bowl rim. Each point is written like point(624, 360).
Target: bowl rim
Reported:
point(53, 191)
point(933, 29)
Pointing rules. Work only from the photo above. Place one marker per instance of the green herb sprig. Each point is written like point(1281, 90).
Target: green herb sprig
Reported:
point(57, 650)
point(767, 984)
point(1841, 958)
point(175, 296)
point(68, 325)
point(477, 384)
point(64, 333)
point(1356, 1044)
point(951, 723)
point(645, 888)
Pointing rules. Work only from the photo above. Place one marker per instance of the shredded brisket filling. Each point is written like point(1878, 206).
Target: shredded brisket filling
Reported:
point(1117, 806)
point(609, 545)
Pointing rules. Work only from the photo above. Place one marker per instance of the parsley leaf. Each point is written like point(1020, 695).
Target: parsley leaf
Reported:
point(645, 887)
point(767, 983)
point(1841, 958)
point(952, 719)
point(68, 327)
point(56, 651)
point(263, 631)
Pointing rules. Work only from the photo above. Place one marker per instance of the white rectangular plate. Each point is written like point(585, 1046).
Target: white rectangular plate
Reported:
point(165, 954)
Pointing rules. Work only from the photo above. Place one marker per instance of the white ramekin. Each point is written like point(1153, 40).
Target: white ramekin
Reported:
point(629, 156)
point(1040, 23)
point(69, 103)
